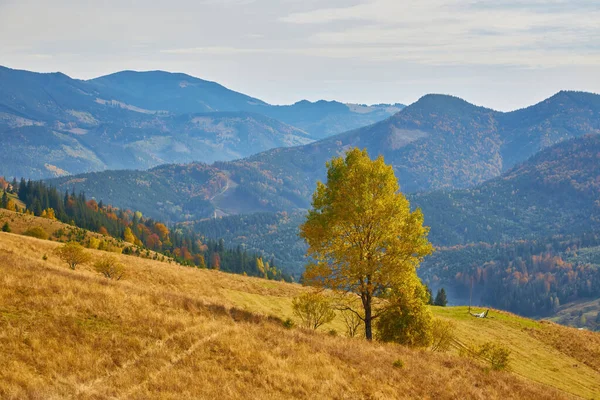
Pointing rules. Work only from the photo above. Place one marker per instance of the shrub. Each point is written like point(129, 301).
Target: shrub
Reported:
point(313, 309)
point(44, 257)
point(36, 232)
point(288, 323)
point(332, 332)
point(497, 355)
point(73, 254)
point(93, 243)
point(5, 227)
point(110, 267)
point(398, 364)
point(407, 320)
point(443, 335)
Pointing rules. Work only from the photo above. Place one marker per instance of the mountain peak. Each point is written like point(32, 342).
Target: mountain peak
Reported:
point(443, 103)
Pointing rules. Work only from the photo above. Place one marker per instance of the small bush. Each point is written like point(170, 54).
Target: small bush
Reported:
point(398, 364)
point(73, 254)
point(5, 227)
point(44, 257)
point(36, 232)
point(313, 309)
point(443, 335)
point(332, 332)
point(110, 267)
point(496, 354)
point(288, 324)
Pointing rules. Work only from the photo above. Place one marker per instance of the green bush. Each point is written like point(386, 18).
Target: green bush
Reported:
point(497, 355)
point(398, 364)
point(36, 232)
point(5, 227)
point(288, 323)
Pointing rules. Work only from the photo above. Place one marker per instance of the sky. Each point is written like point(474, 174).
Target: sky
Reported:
point(503, 54)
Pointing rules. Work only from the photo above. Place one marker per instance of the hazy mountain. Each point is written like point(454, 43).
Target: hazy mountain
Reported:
point(440, 142)
point(326, 118)
point(172, 92)
point(53, 125)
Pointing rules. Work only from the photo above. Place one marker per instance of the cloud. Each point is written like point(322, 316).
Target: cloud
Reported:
point(337, 48)
point(449, 32)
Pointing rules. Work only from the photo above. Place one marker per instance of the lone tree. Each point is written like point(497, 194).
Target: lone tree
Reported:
point(440, 298)
point(73, 254)
point(361, 234)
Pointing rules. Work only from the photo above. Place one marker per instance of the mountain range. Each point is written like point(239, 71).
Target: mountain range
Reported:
point(439, 142)
point(56, 125)
point(511, 197)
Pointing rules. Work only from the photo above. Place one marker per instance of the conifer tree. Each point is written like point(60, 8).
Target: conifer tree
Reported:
point(440, 298)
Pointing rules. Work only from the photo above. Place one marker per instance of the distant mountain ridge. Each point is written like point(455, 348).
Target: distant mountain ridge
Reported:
point(55, 125)
point(439, 142)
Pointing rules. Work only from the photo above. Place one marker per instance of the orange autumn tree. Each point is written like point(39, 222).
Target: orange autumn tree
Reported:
point(363, 237)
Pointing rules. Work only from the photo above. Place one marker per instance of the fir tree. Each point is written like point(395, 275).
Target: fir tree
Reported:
point(440, 298)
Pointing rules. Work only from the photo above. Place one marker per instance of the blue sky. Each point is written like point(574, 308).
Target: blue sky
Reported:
point(501, 54)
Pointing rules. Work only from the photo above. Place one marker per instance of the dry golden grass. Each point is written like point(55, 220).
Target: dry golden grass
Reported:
point(19, 223)
point(173, 332)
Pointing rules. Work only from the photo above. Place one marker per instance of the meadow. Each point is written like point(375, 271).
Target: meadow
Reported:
point(170, 332)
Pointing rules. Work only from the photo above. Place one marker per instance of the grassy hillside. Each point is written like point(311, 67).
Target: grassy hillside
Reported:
point(583, 313)
point(56, 230)
point(167, 331)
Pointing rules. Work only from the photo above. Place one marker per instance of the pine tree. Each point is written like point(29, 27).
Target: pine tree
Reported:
point(440, 298)
point(4, 201)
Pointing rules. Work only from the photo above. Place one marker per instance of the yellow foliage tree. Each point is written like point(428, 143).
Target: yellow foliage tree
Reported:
point(361, 233)
point(129, 236)
point(10, 206)
point(48, 213)
point(73, 254)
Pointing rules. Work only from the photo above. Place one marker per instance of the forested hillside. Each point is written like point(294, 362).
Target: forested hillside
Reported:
point(180, 243)
point(554, 192)
point(439, 142)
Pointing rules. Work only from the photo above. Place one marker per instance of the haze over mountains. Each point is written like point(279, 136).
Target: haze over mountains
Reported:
point(439, 142)
point(136, 120)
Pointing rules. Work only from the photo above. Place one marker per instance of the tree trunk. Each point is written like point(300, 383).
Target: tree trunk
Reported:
point(368, 319)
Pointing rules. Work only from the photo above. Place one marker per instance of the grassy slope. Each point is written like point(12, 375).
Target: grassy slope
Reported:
point(569, 314)
point(168, 332)
point(19, 223)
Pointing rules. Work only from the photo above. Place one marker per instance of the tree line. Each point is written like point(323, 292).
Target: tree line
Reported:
point(179, 242)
